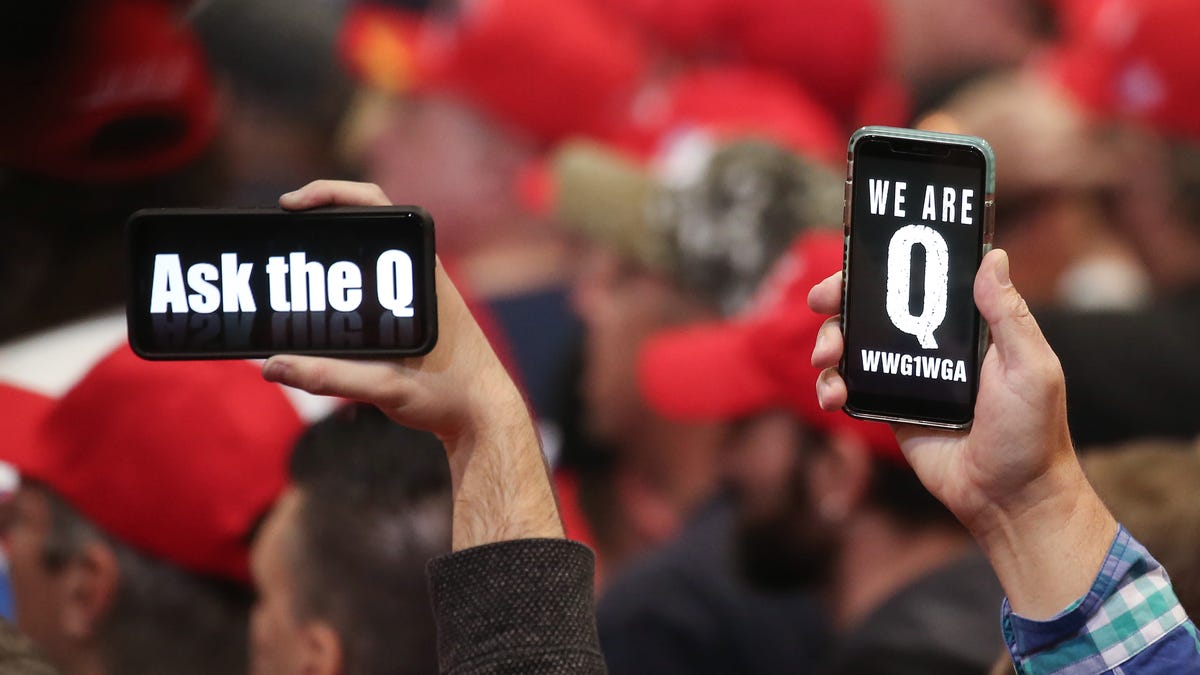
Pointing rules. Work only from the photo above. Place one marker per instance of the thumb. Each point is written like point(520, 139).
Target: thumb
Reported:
point(1014, 330)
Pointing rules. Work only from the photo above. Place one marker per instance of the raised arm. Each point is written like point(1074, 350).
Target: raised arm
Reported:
point(1015, 482)
point(515, 596)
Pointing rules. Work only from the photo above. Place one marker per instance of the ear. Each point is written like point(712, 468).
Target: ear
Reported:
point(88, 588)
point(322, 649)
point(839, 478)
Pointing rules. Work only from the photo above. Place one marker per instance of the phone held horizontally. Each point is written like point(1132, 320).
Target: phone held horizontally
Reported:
point(249, 283)
point(918, 221)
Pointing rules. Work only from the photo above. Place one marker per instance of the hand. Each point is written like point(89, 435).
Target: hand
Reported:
point(1013, 480)
point(459, 391)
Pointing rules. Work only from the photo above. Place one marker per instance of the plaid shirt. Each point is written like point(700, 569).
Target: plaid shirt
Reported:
point(1129, 623)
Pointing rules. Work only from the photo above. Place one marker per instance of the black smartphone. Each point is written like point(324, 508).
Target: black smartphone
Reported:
point(249, 283)
point(918, 221)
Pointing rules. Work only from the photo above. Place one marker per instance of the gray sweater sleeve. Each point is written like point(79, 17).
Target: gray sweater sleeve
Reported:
point(522, 607)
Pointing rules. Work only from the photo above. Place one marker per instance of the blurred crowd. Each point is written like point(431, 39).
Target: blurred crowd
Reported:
point(634, 197)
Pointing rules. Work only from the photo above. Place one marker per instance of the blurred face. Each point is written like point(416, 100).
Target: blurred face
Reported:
point(785, 542)
point(277, 638)
point(620, 306)
point(937, 38)
point(440, 154)
point(36, 589)
point(759, 461)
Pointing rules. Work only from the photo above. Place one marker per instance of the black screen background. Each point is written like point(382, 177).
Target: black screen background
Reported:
point(867, 325)
point(325, 236)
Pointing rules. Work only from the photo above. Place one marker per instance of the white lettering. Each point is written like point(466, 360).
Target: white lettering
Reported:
point(929, 211)
point(308, 284)
point(235, 284)
point(277, 271)
point(166, 287)
point(899, 207)
point(937, 281)
point(870, 359)
point(206, 298)
point(948, 205)
point(345, 286)
point(879, 193)
point(394, 274)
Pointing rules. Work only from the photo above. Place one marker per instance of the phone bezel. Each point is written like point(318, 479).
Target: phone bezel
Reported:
point(929, 147)
point(428, 298)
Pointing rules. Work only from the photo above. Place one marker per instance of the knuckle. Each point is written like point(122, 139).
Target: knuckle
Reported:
point(318, 380)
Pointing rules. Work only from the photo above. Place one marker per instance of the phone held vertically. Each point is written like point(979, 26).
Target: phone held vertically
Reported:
point(918, 221)
point(249, 283)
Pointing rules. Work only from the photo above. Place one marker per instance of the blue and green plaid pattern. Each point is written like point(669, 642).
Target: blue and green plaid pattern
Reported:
point(1129, 622)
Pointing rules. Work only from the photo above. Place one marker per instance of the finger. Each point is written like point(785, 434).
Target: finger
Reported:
point(368, 381)
point(827, 351)
point(1014, 330)
point(826, 297)
point(334, 193)
point(831, 390)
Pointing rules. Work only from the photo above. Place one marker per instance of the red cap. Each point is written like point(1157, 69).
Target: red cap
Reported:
point(759, 361)
point(730, 102)
point(836, 50)
point(1136, 59)
point(549, 68)
point(130, 98)
point(176, 459)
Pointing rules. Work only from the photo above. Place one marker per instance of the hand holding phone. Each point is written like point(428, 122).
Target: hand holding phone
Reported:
point(459, 391)
point(918, 221)
point(243, 283)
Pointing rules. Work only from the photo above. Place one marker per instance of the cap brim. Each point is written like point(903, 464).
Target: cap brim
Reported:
point(704, 373)
point(604, 197)
point(22, 413)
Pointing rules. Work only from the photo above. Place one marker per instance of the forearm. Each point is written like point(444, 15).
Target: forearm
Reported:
point(501, 485)
point(1047, 548)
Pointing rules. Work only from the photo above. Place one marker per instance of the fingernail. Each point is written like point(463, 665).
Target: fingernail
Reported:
point(289, 195)
point(1002, 271)
point(276, 371)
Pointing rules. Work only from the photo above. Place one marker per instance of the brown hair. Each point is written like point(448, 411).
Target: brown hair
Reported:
point(1151, 487)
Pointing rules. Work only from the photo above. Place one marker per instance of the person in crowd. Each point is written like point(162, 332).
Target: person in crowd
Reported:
point(1141, 83)
point(339, 564)
point(682, 234)
point(117, 112)
point(1059, 173)
point(515, 596)
point(904, 590)
point(141, 487)
point(656, 250)
point(473, 97)
point(283, 91)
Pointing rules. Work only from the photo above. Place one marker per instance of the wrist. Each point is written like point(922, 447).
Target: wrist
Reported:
point(500, 481)
point(1047, 542)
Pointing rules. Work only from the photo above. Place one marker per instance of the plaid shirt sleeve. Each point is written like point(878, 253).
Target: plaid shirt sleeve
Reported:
point(1129, 623)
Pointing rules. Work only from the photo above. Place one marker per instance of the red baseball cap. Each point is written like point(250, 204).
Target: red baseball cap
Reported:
point(760, 360)
point(835, 50)
point(730, 102)
point(706, 106)
point(176, 459)
point(548, 68)
point(129, 98)
point(1136, 59)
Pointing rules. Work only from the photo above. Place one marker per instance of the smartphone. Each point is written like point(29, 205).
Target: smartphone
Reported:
point(918, 221)
point(249, 283)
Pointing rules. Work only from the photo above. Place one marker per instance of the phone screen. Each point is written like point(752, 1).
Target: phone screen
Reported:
point(249, 283)
point(918, 224)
